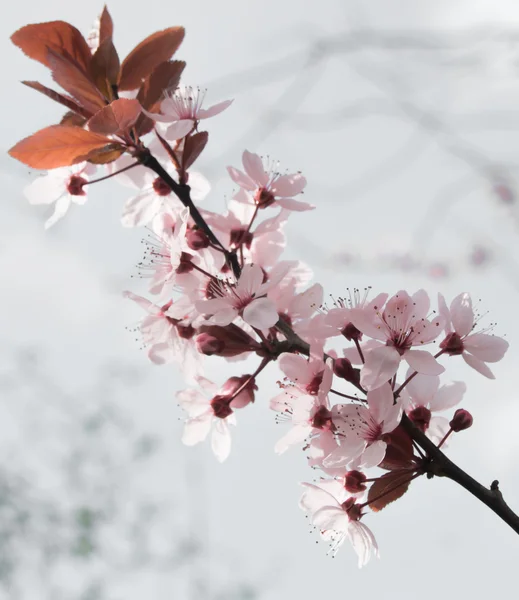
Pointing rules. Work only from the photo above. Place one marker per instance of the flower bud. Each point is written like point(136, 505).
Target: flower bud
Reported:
point(197, 239)
point(421, 417)
point(461, 420)
point(245, 395)
point(354, 482)
point(208, 344)
point(343, 368)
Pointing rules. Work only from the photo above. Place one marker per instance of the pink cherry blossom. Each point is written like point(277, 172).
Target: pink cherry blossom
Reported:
point(168, 333)
point(268, 186)
point(423, 396)
point(339, 317)
point(307, 407)
point(246, 298)
point(401, 325)
point(335, 512)
point(360, 429)
point(183, 108)
point(207, 414)
point(63, 186)
point(477, 348)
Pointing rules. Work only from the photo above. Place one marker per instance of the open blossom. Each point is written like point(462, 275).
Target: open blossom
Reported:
point(64, 186)
point(267, 185)
point(168, 333)
point(335, 512)
point(401, 325)
point(360, 429)
point(208, 413)
point(307, 404)
point(183, 108)
point(424, 396)
point(247, 298)
point(476, 348)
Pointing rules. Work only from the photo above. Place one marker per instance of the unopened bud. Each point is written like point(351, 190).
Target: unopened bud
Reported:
point(197, 239)
point(208, 344)
point(354, 482)
point(421, 417)
point(343, 368)
point(233, 339)
point(461, 420)
point(245, 395)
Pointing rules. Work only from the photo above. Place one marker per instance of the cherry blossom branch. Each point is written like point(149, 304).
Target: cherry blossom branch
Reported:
point(182, 192)
point(441, 466)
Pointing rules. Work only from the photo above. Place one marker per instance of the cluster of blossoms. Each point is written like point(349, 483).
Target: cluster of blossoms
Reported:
point(362, 378)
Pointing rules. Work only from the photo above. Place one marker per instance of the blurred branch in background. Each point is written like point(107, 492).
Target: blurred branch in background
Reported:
point(435, 87)
point(79, 520)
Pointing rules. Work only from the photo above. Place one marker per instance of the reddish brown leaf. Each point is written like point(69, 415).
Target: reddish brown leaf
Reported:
point(106, 155)
point(36, 39)
point(117, 117)
point(105, 67)
point(399, 451)
point(71, 77)
point(164, 78)
point(67, 101)
point(58, 146)
point(388, 488)
point(193, 147)
point(106, 25)
point(72, 119)
point(169, 150)
point(152, 51)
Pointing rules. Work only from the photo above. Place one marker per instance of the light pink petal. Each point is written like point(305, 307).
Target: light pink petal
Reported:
point(479, 365)
point(352, 354)
point(377, 303)
point(200, 186)
point(159, 117)
point(287, 186)
point(428, 330)
point(306, 303)
point(373, 455)
point(193, 402)
point(331, 518)
point(253, 166)
point(244, 181)
point(225, 316)
point(250, 280)
point(148, 306)
point(179, 129)
point(445, 313)
point(381, 364)
point(315, 497)
point(291, 204)
point(60, 209)
point(489, 348)
point(45, 189)
point(212, 306)
point(207, 385)
point(437, 429)
point(422, 388)
point(462, 315)
point(261, 314)
point(448, 396)
point(423, 362)
point(342, 456)
point(421, 304)
point(363, 542)
point(221, 440)
point(380, 401)
point(295, 435)
point(161, 353)
point(216, 109)
point(369, 324)
point(295, 367)
point(197, 428)
point(141, 209)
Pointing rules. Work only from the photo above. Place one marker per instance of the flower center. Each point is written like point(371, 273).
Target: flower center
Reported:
point(452, 344)
point(421, 417)
point(323, 419)
point(264, 197)
point(314, 385)
point(220, 406)
point(160, 187)
point(75, 186)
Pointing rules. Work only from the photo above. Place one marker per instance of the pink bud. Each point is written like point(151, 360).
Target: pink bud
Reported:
point(354, 482)
point(233, 340)
point(197, 239)
point(461, 420)
point(208, 344)
point(245, 395)
point(421, 417)
point(342, 368)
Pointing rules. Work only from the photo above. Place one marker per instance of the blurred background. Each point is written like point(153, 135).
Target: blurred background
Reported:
point(403, 117)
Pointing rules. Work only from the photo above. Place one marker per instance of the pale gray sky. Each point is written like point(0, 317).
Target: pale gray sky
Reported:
point(382, 180)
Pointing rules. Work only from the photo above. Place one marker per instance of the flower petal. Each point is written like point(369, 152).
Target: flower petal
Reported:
point(216, 109)
point(381, 364)
point(221, 440)
point(489, 348)
point(254, 168)
point(461, 313)
point(287, 186)
point(243, 180)
point(479, 365)
point(423, 362)
point(261, 314)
